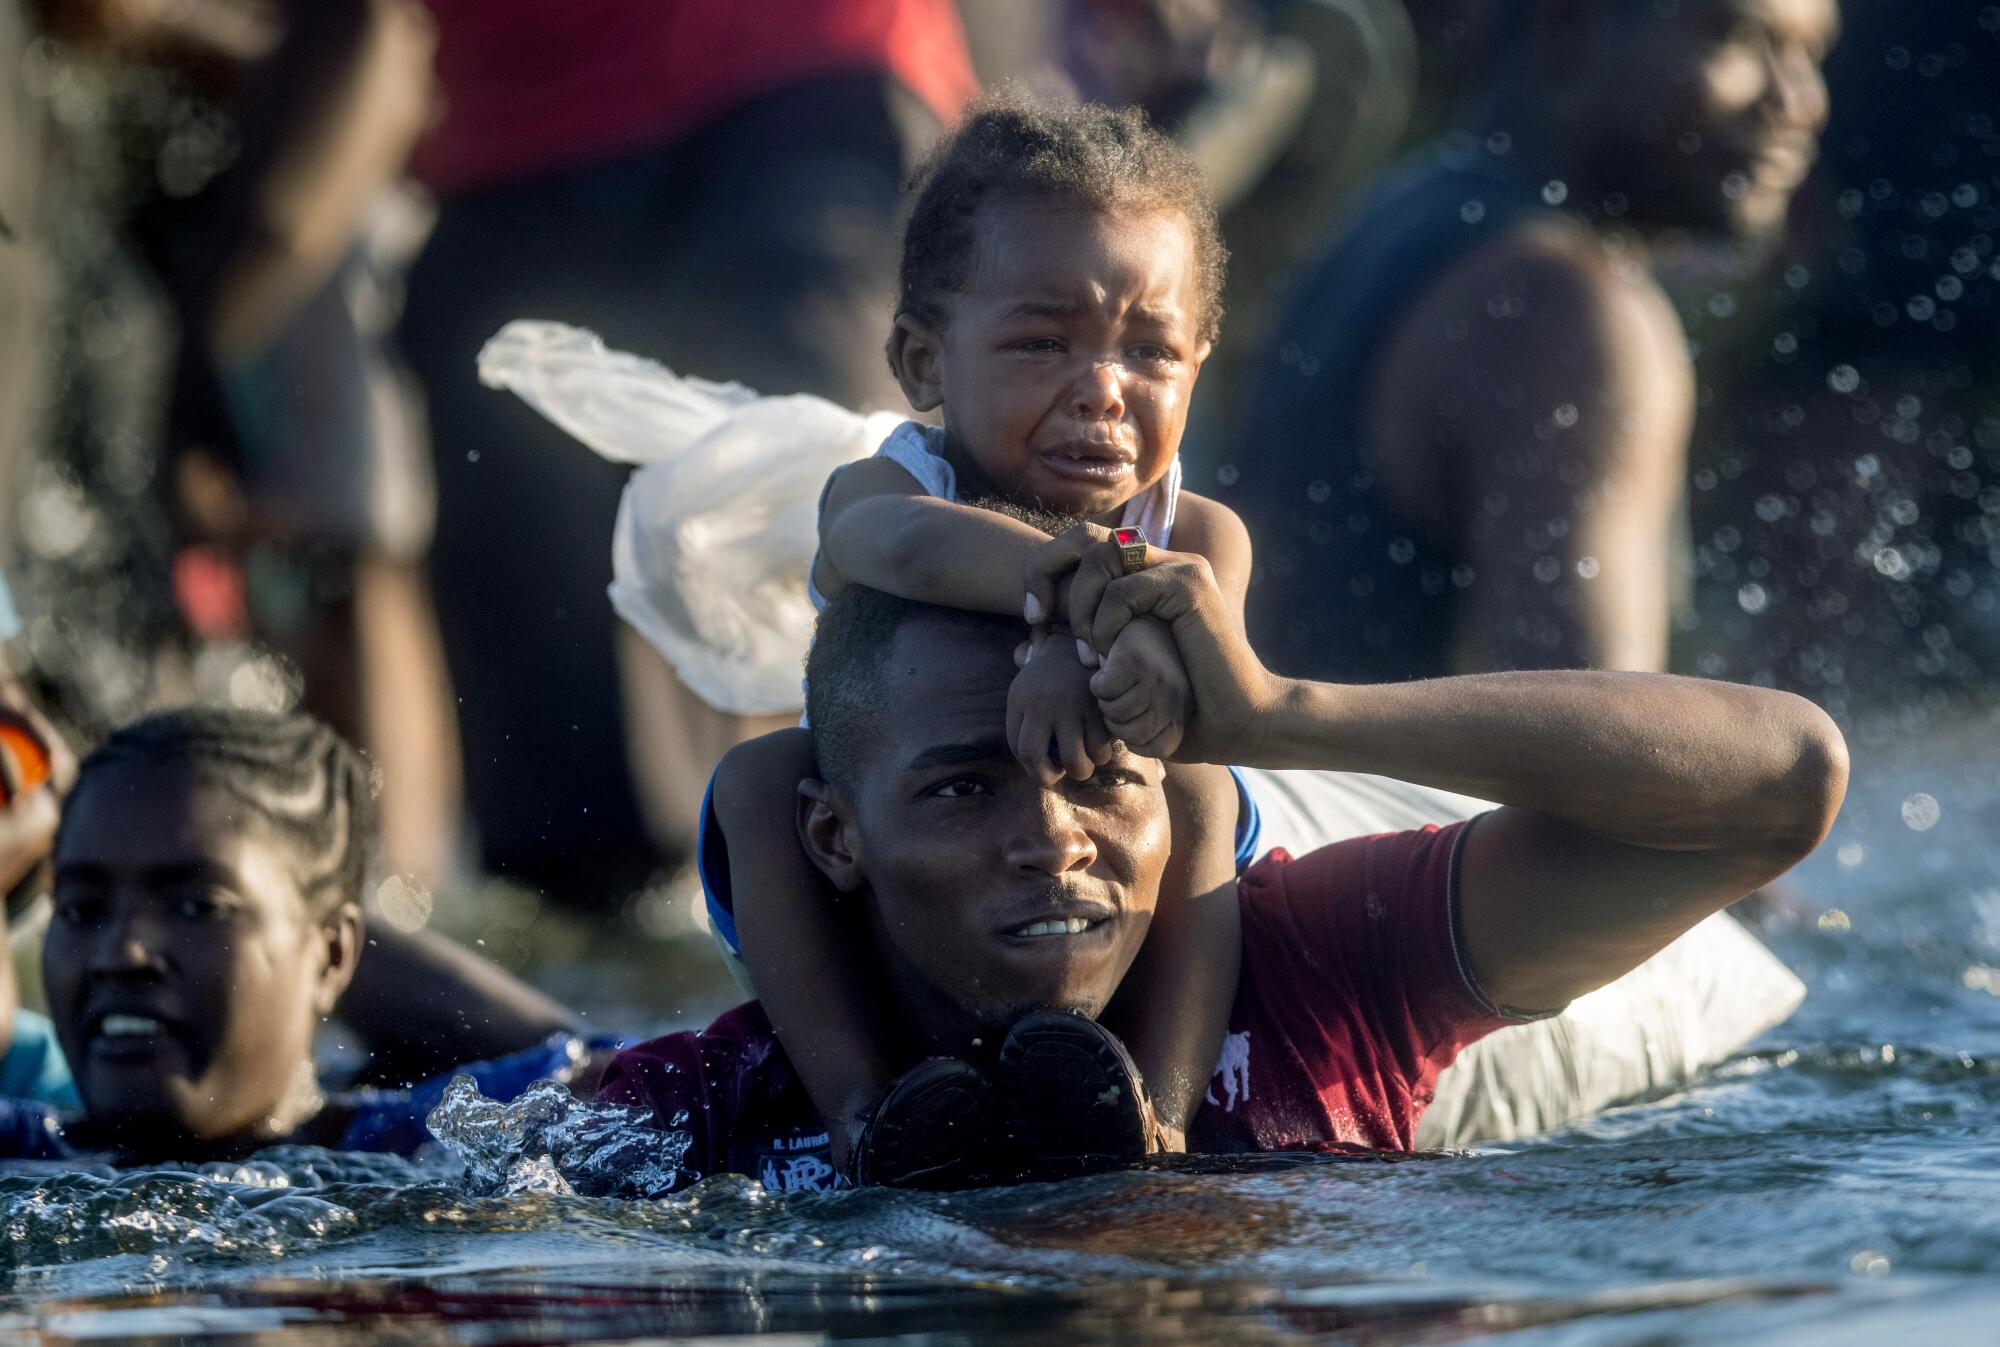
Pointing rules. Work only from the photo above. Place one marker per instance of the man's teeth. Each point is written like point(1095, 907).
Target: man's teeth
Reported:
point(1065, 926)
point(129, 1026)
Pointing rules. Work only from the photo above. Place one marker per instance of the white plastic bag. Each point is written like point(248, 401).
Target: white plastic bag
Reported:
point(718, 525)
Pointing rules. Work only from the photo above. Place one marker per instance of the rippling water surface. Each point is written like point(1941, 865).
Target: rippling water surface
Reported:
point(1839, 1183)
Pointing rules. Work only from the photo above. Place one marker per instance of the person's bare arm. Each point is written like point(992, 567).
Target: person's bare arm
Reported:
point(423, 1003)
point(812, 968)
point(1635, 804)
point(346, 149)
point(878, 528)
point(1173, 1007)
point(1213, 530)
point(1534, 408)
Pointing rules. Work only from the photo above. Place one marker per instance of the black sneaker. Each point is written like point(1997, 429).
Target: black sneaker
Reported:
point(1071, 1097)
point(935, 1128)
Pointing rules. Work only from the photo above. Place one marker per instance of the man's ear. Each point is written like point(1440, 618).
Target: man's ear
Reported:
point(915, 349)
point(339, 937)
point(827, 834)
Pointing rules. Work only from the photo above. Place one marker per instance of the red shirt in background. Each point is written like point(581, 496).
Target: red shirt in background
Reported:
point(1352, 999)
point(531, 85)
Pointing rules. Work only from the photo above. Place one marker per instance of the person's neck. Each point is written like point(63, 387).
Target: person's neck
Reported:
point(973, 483)
point(1545, 145)
point(149, 1142)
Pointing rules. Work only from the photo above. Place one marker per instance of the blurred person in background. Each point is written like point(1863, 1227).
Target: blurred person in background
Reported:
point(714, 185)
point(1467, 443)
point(236, 161)
point(1846, 467)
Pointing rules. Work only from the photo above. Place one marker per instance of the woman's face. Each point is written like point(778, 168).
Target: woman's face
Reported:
point(186, 970)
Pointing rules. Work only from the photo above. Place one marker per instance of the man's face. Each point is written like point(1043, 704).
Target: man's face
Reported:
point(1066, 365)
point(992, 894)
point(185, 972)
point(1713, 111)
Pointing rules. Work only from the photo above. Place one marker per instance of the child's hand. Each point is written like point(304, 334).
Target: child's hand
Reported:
point(1142, 690)
point(1051, 592)
point(1052, 719)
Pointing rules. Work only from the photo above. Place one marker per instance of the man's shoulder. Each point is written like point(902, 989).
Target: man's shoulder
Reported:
point(1349, 867)
point(732, 1033)
point(668, 1073)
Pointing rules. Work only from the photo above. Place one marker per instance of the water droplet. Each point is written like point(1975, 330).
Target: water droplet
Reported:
point(403, 905)
point(1921, 812)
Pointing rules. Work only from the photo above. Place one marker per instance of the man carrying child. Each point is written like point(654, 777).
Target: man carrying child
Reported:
point(1631, 806)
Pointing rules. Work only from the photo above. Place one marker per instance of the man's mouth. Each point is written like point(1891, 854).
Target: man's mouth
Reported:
point(1055, 926)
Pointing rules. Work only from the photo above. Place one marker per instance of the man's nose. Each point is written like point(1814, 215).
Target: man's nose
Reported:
point(1050, 840)
point(1797, 89)
point(1100, 390)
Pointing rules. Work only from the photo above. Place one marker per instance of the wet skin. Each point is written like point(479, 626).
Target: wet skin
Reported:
point(959, 851)
point(1069, 357)
point(1710, 118)
point(186, 972)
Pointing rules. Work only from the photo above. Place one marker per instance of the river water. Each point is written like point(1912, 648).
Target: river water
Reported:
point(1838, 1183)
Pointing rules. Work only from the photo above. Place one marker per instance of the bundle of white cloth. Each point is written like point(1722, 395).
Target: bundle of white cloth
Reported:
point(718, 525)
point(714, 540)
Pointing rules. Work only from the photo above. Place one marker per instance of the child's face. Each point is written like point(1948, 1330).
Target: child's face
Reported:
point(1065, 366)
point(185, 972)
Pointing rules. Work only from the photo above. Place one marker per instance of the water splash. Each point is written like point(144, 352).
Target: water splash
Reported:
point(549, 1141)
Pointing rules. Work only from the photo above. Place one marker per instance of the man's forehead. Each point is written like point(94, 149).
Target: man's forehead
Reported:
point(1798, 18)
point(947, 679)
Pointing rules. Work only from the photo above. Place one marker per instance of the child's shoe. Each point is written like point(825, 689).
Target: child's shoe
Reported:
point(1072, 1097)
point(935, 1128)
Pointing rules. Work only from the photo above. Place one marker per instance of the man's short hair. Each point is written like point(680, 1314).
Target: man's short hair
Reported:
point(1011, 148)
point(845, 697)
point(850, 645)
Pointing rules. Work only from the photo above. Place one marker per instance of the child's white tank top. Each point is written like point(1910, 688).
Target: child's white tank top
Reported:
point(919, 450)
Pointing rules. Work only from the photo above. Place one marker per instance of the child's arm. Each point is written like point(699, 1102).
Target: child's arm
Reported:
point(1173, 1008)
point(811, 969)
point(878, 528)
point(1215, 531)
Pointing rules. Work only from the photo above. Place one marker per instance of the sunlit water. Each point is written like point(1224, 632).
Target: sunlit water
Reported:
point(1839, 1183)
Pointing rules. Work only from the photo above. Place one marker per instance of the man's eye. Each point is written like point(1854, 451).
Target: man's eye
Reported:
point(1040, 345)
point(1153, 354)
point(1113, 778)
point(958, 788)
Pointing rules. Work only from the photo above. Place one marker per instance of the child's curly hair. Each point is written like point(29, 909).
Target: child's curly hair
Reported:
point(1009, 146)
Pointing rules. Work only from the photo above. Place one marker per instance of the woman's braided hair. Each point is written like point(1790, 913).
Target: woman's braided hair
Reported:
point(303, 780)
point(1009, 147)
